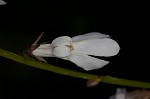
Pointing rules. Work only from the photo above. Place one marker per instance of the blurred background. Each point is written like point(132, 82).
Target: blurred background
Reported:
point(22, 21)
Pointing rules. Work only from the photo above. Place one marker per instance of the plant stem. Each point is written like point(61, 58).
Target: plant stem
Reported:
point(59, 70)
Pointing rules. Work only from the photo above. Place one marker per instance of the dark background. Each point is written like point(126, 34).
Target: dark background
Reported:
point(21, 21)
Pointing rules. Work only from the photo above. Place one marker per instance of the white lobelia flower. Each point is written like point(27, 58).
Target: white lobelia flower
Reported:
point(79, 48)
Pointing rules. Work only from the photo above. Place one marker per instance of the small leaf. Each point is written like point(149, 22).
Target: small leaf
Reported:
point(93, 82)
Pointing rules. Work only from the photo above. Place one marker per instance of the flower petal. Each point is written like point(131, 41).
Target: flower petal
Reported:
point(44, 50)
point(61, 51)
point(97, 47)
point(2, 2)
point(92, 35)
point(120, 94)
point(63, 40)
point(86, 62)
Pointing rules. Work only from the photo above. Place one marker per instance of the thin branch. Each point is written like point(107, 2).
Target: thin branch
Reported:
point(59, 70)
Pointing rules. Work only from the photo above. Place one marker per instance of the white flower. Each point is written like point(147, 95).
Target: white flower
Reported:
point(121, 93)
point(79, 48)
point(2, 2)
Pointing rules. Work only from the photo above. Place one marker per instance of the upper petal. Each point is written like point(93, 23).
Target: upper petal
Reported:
point(97, 47)
point(92, 35)
point(61, 51)
point(86, 62)
point(63, 40)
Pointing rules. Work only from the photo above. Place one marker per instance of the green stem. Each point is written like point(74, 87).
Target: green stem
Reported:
point(59, 70)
